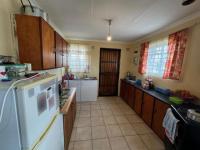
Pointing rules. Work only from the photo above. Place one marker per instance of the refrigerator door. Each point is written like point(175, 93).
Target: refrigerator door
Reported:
point(9, 128)
point(36, 108)
point(53, 139)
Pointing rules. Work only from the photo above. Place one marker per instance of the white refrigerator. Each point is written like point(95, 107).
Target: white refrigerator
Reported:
point(31, 119)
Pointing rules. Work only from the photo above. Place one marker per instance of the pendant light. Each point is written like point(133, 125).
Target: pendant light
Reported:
point(109, 37)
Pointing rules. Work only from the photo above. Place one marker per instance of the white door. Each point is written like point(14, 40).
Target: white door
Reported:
point(54, 138)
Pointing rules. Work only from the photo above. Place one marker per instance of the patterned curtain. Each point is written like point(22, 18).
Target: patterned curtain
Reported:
point(176, 49)
point(143, 58)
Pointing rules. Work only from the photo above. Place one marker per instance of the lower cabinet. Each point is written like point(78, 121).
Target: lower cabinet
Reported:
point(138, 101)
point(151, 109)
point(160, 109)
point(68, 120)
point(131, 95)
point(147, 108)
point(86, 90)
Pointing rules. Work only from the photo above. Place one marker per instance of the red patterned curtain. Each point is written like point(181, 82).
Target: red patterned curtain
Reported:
point(143, 58)
point(176, 49)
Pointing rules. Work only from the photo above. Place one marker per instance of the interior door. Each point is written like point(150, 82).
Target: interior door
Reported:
point(109, 71)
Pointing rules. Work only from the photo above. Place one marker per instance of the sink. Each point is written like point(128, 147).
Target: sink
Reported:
point(90, 78)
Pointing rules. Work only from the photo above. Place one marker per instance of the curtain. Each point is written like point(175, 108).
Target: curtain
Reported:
point(176, 50)
point(143, 58)
point(78, 58)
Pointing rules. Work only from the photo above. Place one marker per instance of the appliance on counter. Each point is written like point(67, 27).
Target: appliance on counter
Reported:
point(188, 128)
point(30, 117)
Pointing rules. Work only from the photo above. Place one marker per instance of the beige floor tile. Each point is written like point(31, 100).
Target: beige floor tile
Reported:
point(152, 142)
point(106, 112)
point(85, 107)
point(141, 128)
point(71, 146)
point(134, 119)
point(96, 113)
point(99, 132)
point(109, 120)
point(95, 107)
point(97, 121)
point(84, 122)
point(128, 112)
point(118, 143)
point(113, 131)
point(121, 119)
point(83, 133)
point(104, 107)
point(127, 129)
point(84, 113)
point(135, 143)
point(83, 145)
point(101, 144)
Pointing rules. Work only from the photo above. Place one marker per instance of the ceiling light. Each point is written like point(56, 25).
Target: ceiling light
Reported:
point(109, 37)
point(187, 2)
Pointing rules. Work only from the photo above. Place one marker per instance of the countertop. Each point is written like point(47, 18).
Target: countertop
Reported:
point(153, 93)
point(68, 102)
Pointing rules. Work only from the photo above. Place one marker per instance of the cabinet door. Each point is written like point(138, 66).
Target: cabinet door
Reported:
point(138, 101)
point(48, 45)
point(147, 108)
point(59, 50)
point(64, 53)
point(29, 40)
point(160, 109)
point(130, 91)
point(67, 128)
point(122, 89)
point(89, 90)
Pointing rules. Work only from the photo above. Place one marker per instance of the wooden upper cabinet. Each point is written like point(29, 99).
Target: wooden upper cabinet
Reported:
point(138, 101)
point(35, 41)
point(160, 109)
point(48, 45)
point(147, 108)
point(59, 50)
point(65, 44)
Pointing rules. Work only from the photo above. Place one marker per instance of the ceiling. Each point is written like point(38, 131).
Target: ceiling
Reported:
point(132, 19)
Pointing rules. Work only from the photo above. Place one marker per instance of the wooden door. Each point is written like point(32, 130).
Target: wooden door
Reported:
point(147, 108)
point(130, 91)
point(109, 72)
point(138, 101)
point(48, 45)
point(58, 50)
point(160, 109)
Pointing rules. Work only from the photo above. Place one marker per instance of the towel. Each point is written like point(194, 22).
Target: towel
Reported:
point(170, 123)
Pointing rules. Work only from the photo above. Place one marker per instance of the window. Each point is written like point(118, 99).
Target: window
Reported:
point(78, 58)
point(157, 57)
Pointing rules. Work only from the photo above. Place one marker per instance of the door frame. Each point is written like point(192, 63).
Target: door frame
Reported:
point(110, 49)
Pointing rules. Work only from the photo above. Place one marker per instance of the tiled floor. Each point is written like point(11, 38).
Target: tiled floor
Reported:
point(110, 124)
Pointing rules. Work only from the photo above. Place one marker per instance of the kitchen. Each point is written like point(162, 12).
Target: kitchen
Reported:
point(101, 75)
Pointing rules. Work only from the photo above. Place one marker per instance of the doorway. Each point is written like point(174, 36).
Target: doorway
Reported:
point(109, 66)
